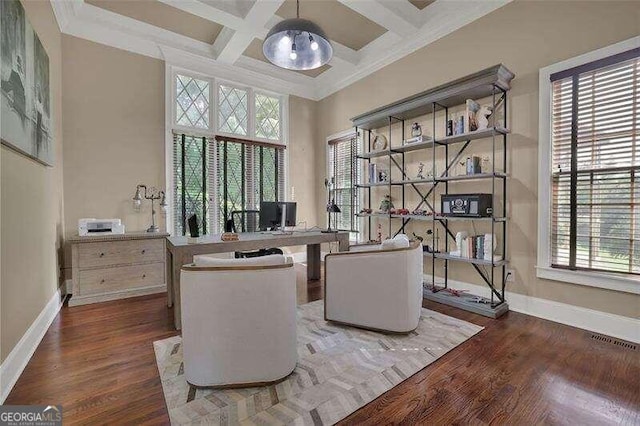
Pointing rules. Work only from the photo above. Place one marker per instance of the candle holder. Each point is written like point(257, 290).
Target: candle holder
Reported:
point(152, 194)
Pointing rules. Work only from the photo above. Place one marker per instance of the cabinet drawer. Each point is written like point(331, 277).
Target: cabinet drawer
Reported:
point(91, 255)
point(94, 281)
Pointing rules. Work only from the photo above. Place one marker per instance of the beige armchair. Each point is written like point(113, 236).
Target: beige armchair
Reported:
point(238, 321)
point(378, 289)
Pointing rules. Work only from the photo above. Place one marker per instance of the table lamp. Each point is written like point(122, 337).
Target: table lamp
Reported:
point(331, 208)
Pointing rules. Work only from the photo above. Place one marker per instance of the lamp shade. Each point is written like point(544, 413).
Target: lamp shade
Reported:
point(297, 44)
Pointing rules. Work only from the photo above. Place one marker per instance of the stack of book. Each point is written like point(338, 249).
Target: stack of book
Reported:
point(473, 247)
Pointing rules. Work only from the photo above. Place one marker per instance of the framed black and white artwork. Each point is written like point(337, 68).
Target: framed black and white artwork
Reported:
point(25, 91)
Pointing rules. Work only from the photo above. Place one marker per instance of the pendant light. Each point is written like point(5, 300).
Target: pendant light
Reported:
point(297, 44)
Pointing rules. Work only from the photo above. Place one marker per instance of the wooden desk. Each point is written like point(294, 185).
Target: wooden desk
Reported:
point(180, 252)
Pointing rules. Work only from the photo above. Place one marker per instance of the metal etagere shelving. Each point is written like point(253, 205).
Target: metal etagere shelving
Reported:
point(492, 83)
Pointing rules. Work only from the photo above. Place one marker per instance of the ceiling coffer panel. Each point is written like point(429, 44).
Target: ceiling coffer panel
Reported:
point(161, 15)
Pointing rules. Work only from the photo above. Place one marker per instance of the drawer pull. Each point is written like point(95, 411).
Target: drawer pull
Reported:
point(144, 275)
point(144, 251)
point(102, 281)
point(101, 254)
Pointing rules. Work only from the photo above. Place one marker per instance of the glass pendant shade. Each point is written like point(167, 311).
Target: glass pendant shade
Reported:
point(297, 44)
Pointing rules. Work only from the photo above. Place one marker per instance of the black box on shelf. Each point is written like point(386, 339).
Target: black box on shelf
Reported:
point(467, 205)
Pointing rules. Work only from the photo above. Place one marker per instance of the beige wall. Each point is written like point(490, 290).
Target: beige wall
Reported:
point(525, 36)
point(114, 132)
point(303, 175)
point(32, 209)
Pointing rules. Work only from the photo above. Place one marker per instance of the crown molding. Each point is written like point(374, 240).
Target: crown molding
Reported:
point(79, 19)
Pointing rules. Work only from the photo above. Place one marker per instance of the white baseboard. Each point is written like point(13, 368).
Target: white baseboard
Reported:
point(587, 319)
point(12, 367)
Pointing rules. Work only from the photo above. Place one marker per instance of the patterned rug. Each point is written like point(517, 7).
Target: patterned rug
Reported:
point(339, 370)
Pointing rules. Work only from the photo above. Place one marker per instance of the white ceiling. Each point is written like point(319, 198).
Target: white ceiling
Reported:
point(408, 29)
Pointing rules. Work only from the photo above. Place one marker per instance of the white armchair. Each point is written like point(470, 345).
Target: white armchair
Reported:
point(378, 289)
point(238, 321)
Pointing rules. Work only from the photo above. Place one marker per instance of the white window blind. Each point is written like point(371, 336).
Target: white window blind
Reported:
point(213, 178)
point(343, 175)
point(596, 166)
point(193, 181)
point(247, 174)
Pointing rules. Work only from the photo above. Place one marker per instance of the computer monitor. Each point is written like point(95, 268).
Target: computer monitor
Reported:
point(271, 214)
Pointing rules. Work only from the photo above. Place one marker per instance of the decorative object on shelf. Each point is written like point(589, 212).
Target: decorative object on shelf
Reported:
point(461, 236)
point(449, 127)
point(482, 116)
point(379, 240)
point(473, 165)
point(420, 212)
point(152, 194)
point(373, 173)
point(366, 211)
point(486, 164)
point(386, 205)
point(470, 120)
point(420, 174)
point(297, 44)
point(402, 212)
point(26, 92)
point(383, 176)
point(332, 207)
point(489, 248)
point(416, 130)
point(379, 142)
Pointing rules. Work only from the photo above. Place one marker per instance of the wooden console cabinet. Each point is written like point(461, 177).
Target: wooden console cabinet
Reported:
point(110, 267)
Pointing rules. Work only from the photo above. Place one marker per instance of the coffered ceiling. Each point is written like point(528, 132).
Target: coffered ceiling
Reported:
point(224, 37)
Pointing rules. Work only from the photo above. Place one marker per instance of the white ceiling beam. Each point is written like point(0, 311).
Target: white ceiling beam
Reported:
point(259, 14)
point(404, 9)
point(377, 12)
point(65, 11)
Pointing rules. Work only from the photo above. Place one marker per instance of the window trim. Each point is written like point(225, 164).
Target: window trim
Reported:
point(610, 281)
point(171, 126)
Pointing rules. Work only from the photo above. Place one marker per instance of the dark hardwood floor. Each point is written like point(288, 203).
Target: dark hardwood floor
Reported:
point(98, 362)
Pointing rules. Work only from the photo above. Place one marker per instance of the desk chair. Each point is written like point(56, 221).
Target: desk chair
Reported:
point(248, 221)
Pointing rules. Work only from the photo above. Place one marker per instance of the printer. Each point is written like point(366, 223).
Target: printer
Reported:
point(91, 226)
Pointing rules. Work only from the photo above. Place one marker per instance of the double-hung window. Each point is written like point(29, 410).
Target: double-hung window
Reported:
point(594, 173)
point(342, 176)
point(229, 151)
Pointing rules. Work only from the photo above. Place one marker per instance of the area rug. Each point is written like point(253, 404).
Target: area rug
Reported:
point(339, 370)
